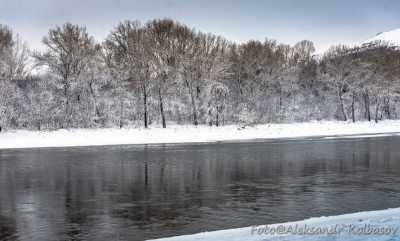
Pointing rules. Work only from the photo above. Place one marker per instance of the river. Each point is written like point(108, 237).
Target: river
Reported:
point(143, 192)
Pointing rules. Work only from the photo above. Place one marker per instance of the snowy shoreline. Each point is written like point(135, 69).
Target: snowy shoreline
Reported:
point(191, 134)
point(372, 225)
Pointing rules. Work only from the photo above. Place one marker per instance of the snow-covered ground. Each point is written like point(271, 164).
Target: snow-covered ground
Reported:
point(363, 226)
point(185, 134)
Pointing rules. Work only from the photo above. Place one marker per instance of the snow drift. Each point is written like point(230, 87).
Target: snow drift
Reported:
point(374, 225)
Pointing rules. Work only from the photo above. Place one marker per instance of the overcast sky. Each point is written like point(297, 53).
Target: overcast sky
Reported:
point(326, 22)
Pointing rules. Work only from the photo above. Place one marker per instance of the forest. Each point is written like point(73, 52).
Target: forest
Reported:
point(163, 72)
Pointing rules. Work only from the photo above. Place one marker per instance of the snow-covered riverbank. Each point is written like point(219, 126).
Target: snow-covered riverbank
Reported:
point(185, 134)
point(366, 226)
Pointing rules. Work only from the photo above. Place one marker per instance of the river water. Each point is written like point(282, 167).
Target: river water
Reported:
point(142, 192)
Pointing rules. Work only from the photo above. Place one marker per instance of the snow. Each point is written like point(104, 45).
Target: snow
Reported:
point(365, 226)
point(192, 134)
point(392, 37)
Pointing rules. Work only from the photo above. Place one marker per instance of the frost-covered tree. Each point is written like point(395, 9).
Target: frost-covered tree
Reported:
point(166, 72)
point(164, 49)
point(69, 50)
point(127, 50)
point(14, 55)
point(337, 64)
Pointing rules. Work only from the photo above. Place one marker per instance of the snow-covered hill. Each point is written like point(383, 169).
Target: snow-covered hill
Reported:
point(392, 37)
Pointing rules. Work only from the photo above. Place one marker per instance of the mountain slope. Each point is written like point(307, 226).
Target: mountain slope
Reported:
point(392, 37)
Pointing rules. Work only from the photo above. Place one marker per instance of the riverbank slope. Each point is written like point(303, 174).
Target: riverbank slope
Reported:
point(192, 134)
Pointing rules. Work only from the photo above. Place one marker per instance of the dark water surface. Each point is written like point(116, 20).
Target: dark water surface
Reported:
point(140, 192)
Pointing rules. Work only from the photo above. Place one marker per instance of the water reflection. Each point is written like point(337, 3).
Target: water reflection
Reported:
point(134, 193)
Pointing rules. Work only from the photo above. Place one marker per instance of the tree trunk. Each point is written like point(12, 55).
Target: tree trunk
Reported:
point(376, 109)
point(341, 104)
point(66, 94)
point(210, 118)
point(367, 113)
point(161, 103)
point(387, 107)
point(40, 116)
point(195, 121)
point(239, 83)
point(121, 124)
point(193, 102)
point(145, 108)
point(352, 107)
point(97, 111)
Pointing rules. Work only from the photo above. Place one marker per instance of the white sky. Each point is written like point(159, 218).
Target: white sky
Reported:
point(324, 22)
